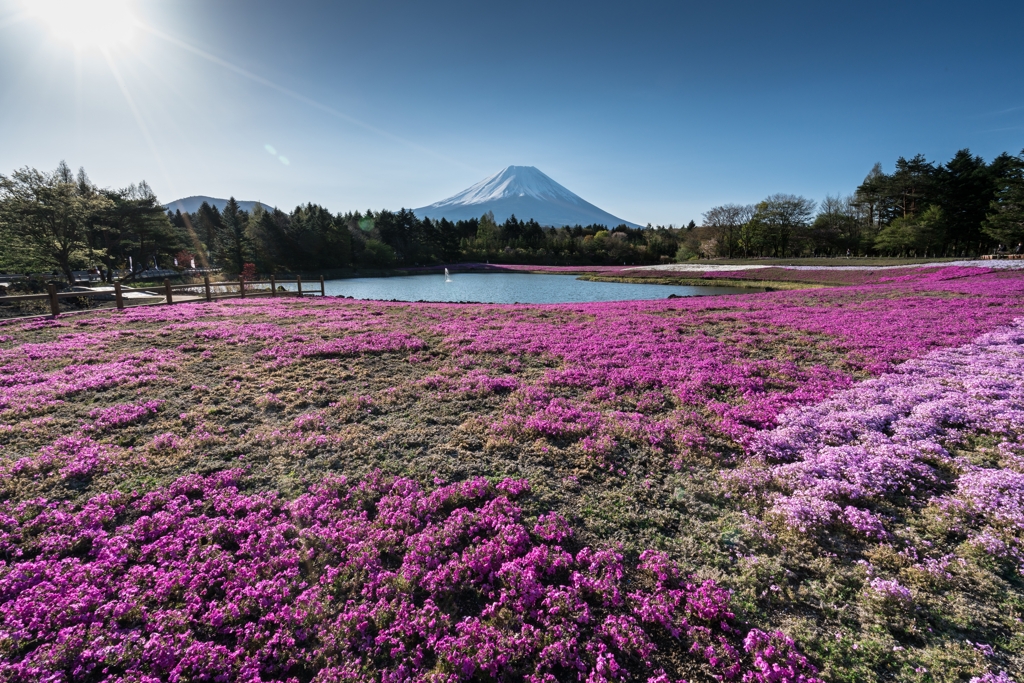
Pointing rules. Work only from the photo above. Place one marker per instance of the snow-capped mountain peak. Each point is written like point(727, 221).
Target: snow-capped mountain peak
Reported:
point(512, 181)
point(526, 192)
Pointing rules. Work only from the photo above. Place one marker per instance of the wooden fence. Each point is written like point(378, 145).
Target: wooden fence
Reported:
point(171, 294)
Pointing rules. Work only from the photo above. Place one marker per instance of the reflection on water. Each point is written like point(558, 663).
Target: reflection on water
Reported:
point(507, 288)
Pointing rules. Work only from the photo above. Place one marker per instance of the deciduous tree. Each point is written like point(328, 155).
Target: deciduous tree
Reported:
point(727, 222)
point(781, 220)
point(48, 214)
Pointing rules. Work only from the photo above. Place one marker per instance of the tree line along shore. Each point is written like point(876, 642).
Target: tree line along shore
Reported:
point(60, 221)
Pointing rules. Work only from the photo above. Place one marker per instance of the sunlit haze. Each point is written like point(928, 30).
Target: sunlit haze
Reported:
point(85, 23)
point(652, 111)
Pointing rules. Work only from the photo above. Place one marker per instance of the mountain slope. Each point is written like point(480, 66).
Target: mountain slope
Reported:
point(525, 192)
point(192, 204)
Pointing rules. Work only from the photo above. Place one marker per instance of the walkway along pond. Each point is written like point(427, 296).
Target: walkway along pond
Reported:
point(171, 294)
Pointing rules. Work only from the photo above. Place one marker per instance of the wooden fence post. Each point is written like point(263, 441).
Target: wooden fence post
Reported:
point(241, 286)
point(206, 284)
point(298, 281)
point(322, 292)
point(117, 296)
point(273, 286)
point(167, 291)
point(51, 289)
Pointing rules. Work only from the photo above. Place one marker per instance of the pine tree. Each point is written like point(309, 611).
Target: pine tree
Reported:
point(208, 224)
point(1005, 221)
point(964, 188)
point(487, 232)
point(234, 249)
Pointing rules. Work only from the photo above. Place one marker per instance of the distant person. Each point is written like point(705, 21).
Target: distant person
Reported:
point(1017, 250)
point(847, 253)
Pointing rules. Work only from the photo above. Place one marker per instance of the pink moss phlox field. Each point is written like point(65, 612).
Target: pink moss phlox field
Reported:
point(889, 437)
point(628, 353)
point(509, 267)
point(635, 358)
point(35, 378)
point(353, 345)
point(881, 496)
point(861, 276)
point(373, 580)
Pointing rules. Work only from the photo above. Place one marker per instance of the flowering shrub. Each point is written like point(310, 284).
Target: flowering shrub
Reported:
point(376, 579)
point(269, 400)
point(892, 591)
point(166, 441)
point(123, 414)
point(775, 659)
point(70, 457)
point(990, 677)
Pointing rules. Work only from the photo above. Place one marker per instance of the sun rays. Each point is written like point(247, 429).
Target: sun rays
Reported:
point(112, 28)
point(85, 23)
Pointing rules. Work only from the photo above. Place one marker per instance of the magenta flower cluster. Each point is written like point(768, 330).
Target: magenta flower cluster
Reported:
point(122, 414)
point(1001, 677)
point(69, 457)
point(371, 580)
point(892, 590)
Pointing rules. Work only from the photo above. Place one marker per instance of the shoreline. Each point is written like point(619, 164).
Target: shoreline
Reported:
point(763, 285)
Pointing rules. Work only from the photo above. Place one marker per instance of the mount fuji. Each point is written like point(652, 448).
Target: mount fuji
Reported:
point(525, 192)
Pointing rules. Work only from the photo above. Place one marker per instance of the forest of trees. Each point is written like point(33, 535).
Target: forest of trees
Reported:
point(310, 238)
point(61, 221)
point(965, 207)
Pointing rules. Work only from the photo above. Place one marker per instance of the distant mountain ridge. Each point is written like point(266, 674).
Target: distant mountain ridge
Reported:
point(526, 192)
point(192, 204)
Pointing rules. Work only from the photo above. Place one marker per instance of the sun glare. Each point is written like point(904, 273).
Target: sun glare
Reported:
point(86, 23)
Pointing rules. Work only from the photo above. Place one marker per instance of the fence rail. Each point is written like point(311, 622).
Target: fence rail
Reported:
point(204, 291)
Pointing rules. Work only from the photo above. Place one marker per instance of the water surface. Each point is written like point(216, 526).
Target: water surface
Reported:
point(507, 288)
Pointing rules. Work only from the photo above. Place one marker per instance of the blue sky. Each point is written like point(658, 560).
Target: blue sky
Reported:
point(653, 111)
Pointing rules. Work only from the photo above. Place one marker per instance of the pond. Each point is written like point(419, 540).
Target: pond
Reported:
point(507, 288)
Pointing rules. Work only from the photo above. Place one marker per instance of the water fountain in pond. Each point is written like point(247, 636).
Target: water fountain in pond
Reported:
point(447, 277)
